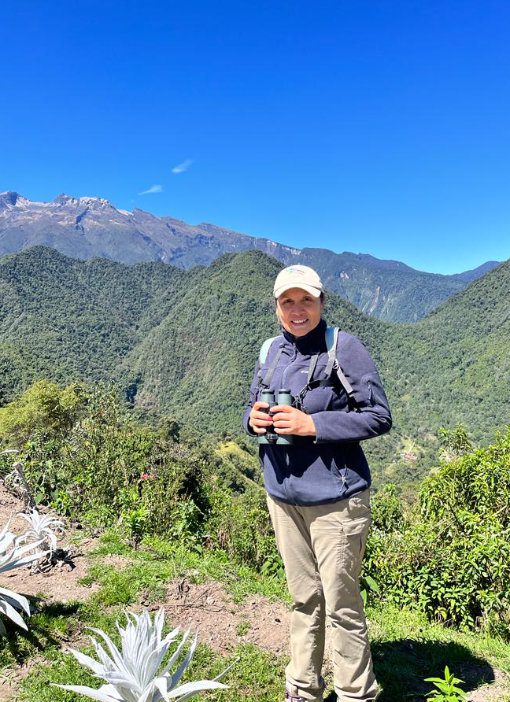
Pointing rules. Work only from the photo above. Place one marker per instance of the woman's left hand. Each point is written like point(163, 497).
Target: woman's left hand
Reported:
point(289, 420)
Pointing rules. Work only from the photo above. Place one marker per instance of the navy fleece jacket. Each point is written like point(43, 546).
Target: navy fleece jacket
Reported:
point(333, 466)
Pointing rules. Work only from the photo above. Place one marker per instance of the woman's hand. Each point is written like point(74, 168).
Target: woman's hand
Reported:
point(259, 419)
point(289, 420)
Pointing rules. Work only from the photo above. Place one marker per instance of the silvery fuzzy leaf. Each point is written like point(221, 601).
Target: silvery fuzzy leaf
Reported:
point(176, 655)
point(116, 655)
point(191, 689)
point(16, 556)
point(99, 694)
point(6, 538)
point(87, 661)
point(132, 670)
point(12, 596)
point(161, 684)
point(128, 687)
point(9, 611)
point(185, 663)
point(5, 567)
point(41, 522)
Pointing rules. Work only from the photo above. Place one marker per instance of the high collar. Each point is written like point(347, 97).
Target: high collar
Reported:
point(313, 342)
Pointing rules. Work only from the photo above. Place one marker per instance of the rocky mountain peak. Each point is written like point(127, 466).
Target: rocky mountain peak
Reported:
point(91, 202)
point(11, 199)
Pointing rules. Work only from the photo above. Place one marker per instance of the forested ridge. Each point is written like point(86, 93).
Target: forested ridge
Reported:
point(385, 289)
point(185, 344)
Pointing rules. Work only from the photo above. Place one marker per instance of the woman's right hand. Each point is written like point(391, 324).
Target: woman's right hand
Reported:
point(259, 420)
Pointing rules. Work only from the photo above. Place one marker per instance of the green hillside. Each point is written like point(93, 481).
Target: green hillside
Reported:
point(387, 290)
point(198, 363)
point(68, 319)
point(185, 343)
point(453, 366)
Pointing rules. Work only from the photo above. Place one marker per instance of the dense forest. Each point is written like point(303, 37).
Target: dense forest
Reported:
point(184, 343)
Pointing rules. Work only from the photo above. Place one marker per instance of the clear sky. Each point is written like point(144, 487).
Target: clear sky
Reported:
point(379, 127)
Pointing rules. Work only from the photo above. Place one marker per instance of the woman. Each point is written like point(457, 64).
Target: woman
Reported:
point(318, 486)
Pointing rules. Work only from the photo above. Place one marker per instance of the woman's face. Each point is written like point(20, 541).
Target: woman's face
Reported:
point(298, 311)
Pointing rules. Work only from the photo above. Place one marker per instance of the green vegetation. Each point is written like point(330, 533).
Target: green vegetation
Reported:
point(390, 291)
point(447, 688)
point(406, 647)
point(451, 368)
point(450, 554)
point(155, 457)
point(86, 455)
point(72, 320)
point(184, 344)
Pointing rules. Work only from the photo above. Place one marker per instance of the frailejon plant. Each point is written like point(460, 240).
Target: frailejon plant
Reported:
point(447, 690)
point(44, 528)
point(14, 555)
point(137, 672)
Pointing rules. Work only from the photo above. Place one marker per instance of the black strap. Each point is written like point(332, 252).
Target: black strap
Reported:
point(266, 381)
point(332, 371)
point(310, 383)
point(311, 368)
point(343, 381)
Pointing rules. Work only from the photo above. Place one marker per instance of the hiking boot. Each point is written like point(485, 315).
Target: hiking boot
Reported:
point(291, 698)
point(292, 695)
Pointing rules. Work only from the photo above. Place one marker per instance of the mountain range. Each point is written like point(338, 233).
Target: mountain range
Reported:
point(91, 227)
point(185, 343)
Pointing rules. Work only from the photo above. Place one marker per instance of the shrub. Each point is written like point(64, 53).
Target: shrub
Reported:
point(241, 526)
point(451, 556)
point(176, 497)
point(387, 509)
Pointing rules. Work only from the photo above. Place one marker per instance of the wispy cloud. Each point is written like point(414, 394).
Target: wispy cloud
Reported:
point(182, 167)
point(152, 189)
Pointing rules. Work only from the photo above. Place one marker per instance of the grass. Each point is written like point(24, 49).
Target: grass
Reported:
point(58, 668)
point(159, 560)
point(406, 647)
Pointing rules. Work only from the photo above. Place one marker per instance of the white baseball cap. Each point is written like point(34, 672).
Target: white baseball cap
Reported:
point(298, 277)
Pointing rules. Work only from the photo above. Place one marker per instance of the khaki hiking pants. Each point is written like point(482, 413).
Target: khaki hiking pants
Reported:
point(322, 547)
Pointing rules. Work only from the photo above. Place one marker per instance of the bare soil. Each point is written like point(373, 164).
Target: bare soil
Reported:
point(221, 623)
point(52, 584)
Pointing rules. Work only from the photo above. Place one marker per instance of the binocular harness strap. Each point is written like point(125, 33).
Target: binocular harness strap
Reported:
point(311, 368)
point(333, 365)
point(266, 381)
point(332, 369)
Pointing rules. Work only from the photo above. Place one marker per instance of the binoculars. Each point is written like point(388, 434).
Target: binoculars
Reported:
point(284, 397)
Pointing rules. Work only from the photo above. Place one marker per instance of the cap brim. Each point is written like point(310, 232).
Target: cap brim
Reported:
point(309, 289)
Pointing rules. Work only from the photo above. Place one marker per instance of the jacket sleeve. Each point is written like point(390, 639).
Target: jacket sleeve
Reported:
point(253, 398)
point(372, 415)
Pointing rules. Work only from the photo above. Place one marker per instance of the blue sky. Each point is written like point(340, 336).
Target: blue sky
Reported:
point(379, 127)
